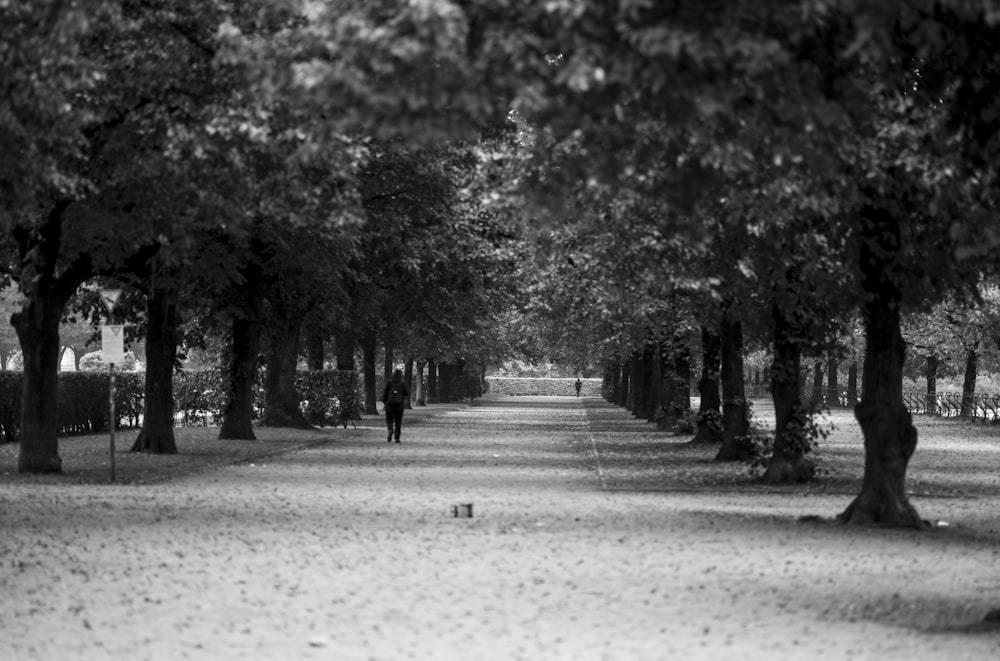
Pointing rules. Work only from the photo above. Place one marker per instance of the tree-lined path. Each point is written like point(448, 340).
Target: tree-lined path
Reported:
point(349, 551)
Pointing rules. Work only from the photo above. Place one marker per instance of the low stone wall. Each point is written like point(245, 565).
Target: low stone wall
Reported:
point(502, 385)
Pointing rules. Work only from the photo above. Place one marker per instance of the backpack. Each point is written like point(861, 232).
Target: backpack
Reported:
point(396, 394)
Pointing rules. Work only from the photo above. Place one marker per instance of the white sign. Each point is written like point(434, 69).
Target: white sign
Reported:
point(110, 298)
point(113, 344)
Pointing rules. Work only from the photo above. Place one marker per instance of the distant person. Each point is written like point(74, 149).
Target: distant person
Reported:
point(394, 397)
point(578, 385)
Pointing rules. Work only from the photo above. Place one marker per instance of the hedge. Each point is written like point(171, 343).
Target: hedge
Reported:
point(503, 385)
point(328, 398)
point(82, 402)
point(463, 387)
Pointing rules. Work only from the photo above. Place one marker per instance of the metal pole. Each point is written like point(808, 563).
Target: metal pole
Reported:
point(111, 402)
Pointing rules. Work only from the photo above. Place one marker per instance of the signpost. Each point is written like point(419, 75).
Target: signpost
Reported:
point(112, 351)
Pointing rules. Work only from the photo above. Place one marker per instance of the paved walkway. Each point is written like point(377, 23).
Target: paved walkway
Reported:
point(350, 551)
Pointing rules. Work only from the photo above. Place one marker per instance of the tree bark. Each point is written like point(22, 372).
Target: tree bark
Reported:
point(932, 368)
point(315, 348)
point(709, 416)
point(832, 387)
point(369, 349)
point(343, 345)
point(157, 433)
point(644, 403)
point(237, 414)
point(890, 437)
point(37, 326)
point(281, 397)
point(634, 383)
point(389, 364)
point(445, 373)
point(421, 394)
point(788, 462)
point(432, 382)
point(852, 384)
point(969, 382)
point(408, 380)
point(682, 376)
point(625, 385)
point(667, 391)
point(735, 419)
point(817, 389)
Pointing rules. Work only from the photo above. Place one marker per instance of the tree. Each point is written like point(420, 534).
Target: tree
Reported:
point(108, 153)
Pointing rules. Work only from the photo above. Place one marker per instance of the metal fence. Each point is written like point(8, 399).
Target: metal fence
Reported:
point(982, 406)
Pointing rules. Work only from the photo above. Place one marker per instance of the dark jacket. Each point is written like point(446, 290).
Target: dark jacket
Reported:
point(385, 391)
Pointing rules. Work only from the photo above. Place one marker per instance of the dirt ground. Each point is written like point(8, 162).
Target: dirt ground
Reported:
point(592, 537)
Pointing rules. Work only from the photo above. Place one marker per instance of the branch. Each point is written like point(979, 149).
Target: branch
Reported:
point(379, 196)
point(188, 34)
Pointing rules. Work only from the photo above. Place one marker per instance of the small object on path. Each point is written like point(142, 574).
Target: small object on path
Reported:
point(319, 641)
point(462, 511)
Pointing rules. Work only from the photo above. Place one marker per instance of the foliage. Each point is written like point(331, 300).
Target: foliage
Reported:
point(330, 397)
point(10, 405)
point(198, 394)
point(804, 432)
point(94, 362)
point(561, 387)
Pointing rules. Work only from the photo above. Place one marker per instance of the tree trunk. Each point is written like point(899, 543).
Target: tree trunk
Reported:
point(445, 373)
point(421, 395)
point(625, 387)
point(644, 402)
point(389, 364)
point(369, 348)
point(817, 391)
point(932, 368)
point(432, 383)
point(788, 462)
point(667, 390)
point(315, 348)
point(832, 387)
point(157, 433)
point(37, 326)
point(852, 384)
point(408, 380)
point(709, 417)
point(343, 344)
point(735, 419)
point(607, 379)
point(237, 414)
point(969, 383)
point(634, 382)
point(890, 437)
point(281, 397)
point(682, 377)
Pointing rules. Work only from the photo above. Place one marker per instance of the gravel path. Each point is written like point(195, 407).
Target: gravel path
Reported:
point(349, 551)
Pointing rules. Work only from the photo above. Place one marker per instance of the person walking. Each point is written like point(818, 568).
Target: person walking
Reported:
point(578, 384)
point(394, 397)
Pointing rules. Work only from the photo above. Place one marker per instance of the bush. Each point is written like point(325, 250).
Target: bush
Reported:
point(10, 405)
point(329, 397)
point(198, 395)
point(83, 402)
point(500, 385)
point(94, 362)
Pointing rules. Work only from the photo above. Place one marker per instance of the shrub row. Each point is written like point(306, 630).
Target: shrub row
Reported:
point(82, 402)
point(502, 385)
point(462, 388)
point(328, 398)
